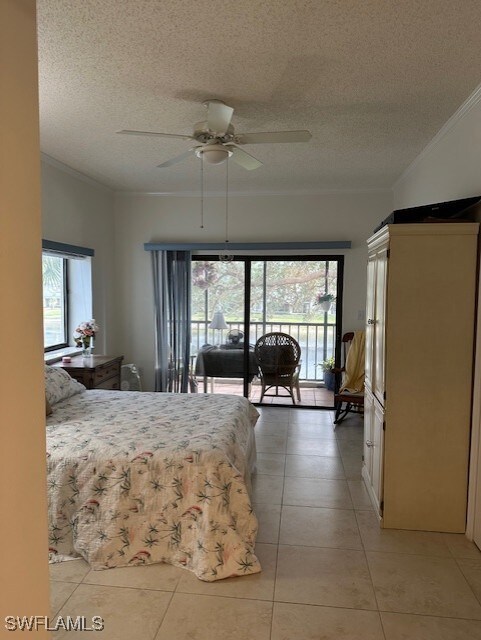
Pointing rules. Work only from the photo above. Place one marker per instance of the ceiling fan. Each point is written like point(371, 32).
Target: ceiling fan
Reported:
point(218, 140)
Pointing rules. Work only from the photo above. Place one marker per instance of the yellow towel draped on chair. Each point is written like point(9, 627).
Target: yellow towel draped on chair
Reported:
point(354, 366)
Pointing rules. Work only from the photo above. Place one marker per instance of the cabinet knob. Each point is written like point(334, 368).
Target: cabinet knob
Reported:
point(371, 321)
point(369, 443)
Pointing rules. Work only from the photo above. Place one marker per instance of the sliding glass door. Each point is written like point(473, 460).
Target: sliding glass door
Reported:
point(235, 303)
point(218, 326)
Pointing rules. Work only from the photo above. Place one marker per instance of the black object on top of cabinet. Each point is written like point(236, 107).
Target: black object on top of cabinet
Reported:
point(451, 211)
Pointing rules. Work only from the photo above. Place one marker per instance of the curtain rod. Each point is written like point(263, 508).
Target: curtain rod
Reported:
point(61, 247)
point(247, 246)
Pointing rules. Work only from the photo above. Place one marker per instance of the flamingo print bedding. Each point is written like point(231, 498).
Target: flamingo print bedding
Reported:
point(137, 478)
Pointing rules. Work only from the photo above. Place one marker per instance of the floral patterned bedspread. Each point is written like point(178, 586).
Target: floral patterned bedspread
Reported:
point(137, 478)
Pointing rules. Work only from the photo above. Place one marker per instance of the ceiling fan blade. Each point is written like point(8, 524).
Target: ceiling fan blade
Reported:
point(175, 160)
point(243, 158)
point(154, 133)
point(274, 136)
point(219, 116)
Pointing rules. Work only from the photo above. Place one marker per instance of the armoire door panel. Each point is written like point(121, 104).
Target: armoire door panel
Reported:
point(368, 431)
point(370, 314)
point(380, 324)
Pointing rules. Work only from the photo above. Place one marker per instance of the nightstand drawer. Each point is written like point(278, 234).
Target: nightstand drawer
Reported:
point(104, 372)
point(95, 372)
point(110, 383)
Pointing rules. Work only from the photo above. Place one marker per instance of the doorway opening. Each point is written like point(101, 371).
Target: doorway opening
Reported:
point(236, 302)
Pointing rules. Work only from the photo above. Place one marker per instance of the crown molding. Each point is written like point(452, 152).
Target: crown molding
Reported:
point(221, 194)
point(457, 116)
point(74, 173)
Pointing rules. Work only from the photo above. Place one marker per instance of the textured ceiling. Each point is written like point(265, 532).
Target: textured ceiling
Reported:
point(373, 80)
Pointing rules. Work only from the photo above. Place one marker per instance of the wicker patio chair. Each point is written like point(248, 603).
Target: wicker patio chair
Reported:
point(278, 356)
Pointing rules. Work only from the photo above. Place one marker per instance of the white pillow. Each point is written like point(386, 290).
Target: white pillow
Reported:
point(59, 385)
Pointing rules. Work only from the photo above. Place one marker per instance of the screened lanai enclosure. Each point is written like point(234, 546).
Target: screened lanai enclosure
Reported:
point(236, 302)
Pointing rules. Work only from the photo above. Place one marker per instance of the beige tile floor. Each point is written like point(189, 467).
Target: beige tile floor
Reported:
point(329, 572)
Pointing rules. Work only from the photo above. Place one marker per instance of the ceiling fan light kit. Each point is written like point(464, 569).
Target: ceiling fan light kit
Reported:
point(213, 153)
point(219, 141)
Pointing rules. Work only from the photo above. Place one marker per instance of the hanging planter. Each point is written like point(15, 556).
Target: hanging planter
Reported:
point(324, 301)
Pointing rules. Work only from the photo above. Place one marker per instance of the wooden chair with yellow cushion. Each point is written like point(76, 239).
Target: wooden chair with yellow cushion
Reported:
point(349, 396)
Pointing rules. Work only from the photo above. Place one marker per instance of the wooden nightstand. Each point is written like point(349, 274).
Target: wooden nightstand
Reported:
point(95, 372)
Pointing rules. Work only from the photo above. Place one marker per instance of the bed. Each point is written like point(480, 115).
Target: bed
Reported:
point(138, 478)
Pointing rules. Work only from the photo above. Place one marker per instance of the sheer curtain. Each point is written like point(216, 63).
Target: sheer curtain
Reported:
point(172, 278)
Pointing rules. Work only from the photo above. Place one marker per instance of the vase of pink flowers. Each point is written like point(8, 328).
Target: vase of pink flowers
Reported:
point(84, 336)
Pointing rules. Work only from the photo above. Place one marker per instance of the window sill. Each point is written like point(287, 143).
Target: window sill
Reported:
point(55, 356)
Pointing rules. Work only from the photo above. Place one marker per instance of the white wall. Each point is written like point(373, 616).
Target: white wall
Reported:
point(146, 218)
point(450, 167)
point(79, 212)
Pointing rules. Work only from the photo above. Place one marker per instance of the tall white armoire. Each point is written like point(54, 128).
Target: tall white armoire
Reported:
point(419, 361)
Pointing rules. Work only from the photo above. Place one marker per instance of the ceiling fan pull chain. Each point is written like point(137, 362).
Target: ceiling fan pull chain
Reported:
point(226, 203)
point(227, 255)
point(202, 192)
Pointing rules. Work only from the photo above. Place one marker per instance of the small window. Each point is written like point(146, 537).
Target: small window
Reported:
point(67, 292)
point(55, 302)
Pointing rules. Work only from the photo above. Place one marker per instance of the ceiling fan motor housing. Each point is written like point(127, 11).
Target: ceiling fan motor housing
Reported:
point(203, 135)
